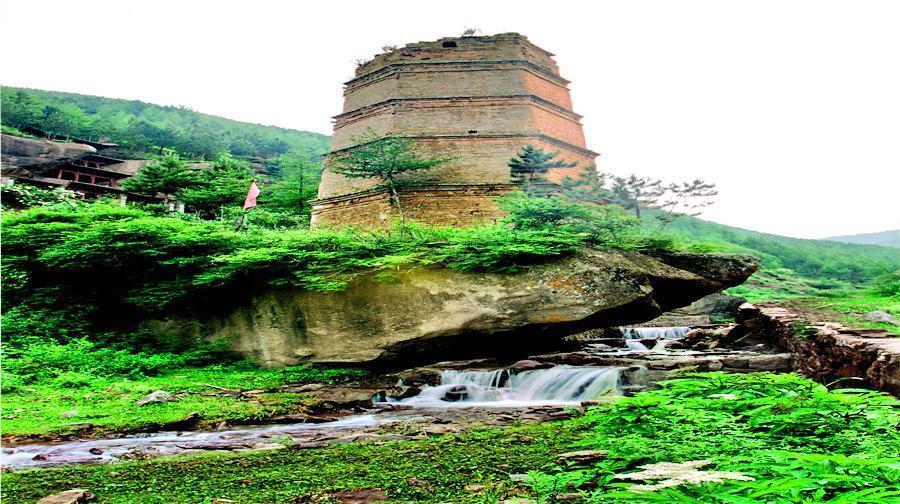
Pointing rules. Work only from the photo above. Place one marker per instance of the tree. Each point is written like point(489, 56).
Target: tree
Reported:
point(383, 158)
point(21, 109)
point(531, 161)
point(687, 198)
point(296, 181)
point(167, 176)
point(223, 184)
point(634, 192)
point(588, 187)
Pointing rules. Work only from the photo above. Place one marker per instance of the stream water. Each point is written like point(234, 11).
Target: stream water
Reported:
point(558, 385)
point(657, 333)
point(492, 389)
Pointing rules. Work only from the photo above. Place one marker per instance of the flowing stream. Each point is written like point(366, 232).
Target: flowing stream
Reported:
point(168, 443)
point(498, 389)
point(559, 385)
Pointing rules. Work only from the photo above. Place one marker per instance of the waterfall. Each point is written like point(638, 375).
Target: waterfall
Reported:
point(656, 333)
point(556, 385)
point(637, 346)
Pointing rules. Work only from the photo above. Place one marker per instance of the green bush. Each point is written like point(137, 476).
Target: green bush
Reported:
point(799, 441)
point(26, 195)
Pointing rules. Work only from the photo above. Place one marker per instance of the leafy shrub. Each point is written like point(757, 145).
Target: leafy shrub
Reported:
point(27, 195)
point(887, 285)
point(800, 441)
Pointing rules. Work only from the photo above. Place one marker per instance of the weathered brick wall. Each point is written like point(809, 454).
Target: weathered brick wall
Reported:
point(474, 160)
point(463, 79)
point(461, 116)
point(460, 206)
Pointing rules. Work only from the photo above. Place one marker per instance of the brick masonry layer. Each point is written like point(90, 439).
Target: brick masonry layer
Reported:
point(443, 205)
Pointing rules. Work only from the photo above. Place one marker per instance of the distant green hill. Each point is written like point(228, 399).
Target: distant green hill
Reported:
point(884, 238)
point(792, 266)
point(142, 128)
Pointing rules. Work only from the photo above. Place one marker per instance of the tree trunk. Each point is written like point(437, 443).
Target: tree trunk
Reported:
point(396, 199)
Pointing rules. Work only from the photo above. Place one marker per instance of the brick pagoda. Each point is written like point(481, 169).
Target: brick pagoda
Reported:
point(477, 100)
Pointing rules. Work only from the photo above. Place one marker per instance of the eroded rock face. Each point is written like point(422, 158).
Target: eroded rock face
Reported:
point(828, 352)
point(432, 314)
point(29, 154)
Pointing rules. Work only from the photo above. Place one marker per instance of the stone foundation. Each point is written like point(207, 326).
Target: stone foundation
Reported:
point(446, 205)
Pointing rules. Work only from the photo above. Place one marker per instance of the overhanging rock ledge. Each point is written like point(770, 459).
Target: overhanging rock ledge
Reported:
point(431, 314)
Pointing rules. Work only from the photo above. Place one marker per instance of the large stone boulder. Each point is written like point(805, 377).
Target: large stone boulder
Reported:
point(429, 314)
point(23, 155)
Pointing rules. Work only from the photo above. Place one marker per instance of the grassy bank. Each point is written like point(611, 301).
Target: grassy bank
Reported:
point(63, 404)
point(798, 441)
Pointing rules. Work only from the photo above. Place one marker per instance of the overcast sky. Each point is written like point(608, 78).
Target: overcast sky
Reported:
point(791, 107)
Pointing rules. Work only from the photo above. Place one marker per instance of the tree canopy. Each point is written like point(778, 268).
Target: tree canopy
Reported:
point(143, 128)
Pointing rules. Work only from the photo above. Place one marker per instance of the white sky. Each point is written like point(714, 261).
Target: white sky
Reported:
point(791, 107)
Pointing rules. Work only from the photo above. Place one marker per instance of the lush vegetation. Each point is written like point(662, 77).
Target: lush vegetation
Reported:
point(54, 389)
point(818, 259)
point(797, 440)
point(143, 128)
point(129, 258)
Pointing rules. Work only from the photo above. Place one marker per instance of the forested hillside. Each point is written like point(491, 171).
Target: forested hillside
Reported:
point(814, 258)
point(885, 238)
point(144, 128)
point(796, 268)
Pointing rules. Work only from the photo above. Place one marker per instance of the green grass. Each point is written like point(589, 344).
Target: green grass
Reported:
point(799, 441)
point(109, 402)
point(852, 308)
point(434, 470)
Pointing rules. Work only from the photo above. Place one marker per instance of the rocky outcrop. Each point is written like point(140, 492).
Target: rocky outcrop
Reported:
point(22, 156)
point(706, 310)
point(827, 352)
point(432, 314)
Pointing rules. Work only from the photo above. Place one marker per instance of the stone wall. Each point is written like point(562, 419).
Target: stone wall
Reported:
point(459, 205)
point(457, 79)
point(474, 160)
point(827, 352)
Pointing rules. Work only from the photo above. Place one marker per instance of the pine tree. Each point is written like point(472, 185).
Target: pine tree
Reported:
point(383, 158)
point(531, 162)
point(633, 193)
point(167, 176)
point(224, 183)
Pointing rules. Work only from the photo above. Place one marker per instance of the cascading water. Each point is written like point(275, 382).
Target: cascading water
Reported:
point(499, 388)
point(636, 337)
point(656, 333)
point(637, 346)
